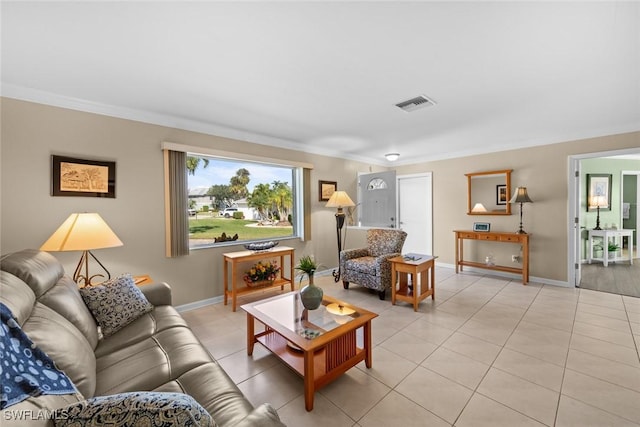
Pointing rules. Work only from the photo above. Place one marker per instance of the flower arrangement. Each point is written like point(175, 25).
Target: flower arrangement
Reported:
point(262, 272)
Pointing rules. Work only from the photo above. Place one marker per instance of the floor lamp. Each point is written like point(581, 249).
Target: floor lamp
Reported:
point(521, 196)
point(339, 199)
point(83, 232)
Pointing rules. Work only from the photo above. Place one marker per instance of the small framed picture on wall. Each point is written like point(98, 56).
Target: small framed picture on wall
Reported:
point(326, 189)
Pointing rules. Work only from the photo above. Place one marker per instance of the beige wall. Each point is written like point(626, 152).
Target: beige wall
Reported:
point(544, 171)
point(32, 132)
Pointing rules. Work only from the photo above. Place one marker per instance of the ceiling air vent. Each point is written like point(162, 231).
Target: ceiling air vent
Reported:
point(415, 103)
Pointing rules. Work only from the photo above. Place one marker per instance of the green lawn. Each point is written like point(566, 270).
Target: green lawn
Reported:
point(212, 227)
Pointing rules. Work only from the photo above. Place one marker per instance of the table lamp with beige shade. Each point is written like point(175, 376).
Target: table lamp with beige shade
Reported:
point(83, 232)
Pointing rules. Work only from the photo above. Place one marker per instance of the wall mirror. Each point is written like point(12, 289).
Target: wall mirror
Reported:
point(488, 193)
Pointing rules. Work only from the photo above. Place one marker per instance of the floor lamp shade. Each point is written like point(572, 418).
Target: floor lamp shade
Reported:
point(340, 199)
point(83, 232)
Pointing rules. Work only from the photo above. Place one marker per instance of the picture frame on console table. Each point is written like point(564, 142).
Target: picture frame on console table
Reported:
point(481, 226)
point(76, 177)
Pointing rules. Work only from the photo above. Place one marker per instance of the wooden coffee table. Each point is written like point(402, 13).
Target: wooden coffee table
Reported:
point(320, 345)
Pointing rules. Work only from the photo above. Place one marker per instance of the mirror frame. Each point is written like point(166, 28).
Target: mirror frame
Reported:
point(507, 173)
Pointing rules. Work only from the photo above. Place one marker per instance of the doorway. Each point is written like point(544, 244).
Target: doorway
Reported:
point(579, 219)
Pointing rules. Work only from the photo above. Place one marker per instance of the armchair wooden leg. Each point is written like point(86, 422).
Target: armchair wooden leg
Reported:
point(345, 284)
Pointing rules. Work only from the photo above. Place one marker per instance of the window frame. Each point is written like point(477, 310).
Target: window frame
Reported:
point(300, 186)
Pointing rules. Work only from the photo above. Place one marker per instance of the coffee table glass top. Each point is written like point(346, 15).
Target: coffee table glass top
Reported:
point(289, 312)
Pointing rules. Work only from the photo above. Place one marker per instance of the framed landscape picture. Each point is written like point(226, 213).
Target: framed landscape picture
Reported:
point(326, 189)
point(82, 178)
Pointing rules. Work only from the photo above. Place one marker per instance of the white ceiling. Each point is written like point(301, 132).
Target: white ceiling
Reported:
point(323, 77)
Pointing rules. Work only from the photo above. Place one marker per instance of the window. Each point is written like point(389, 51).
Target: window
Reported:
point(209, 184)
point(240, 201)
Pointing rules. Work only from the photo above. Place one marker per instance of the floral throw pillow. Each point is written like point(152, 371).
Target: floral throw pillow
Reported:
point(136, 409)
point(115, 303)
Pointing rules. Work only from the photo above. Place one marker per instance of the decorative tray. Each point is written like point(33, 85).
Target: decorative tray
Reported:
point(261, 246)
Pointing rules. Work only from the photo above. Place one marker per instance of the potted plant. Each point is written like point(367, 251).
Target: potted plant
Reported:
point(261, 274)
point(311, 295)
point(613, 248)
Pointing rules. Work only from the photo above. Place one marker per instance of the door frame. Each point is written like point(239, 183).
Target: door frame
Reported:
point(637, 175)
point(573, 237)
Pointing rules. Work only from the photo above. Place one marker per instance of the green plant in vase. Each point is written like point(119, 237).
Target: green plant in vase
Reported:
point(311, 295)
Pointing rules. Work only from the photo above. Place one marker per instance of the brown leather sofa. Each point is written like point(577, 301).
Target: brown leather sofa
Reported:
point(157, 352)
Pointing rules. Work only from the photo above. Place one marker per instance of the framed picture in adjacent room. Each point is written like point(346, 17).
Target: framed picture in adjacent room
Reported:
point(82, 178)
point(326, 189)
point(599, 191)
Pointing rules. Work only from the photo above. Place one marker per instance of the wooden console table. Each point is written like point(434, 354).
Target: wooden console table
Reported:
point(498, 237)
point(234, 258)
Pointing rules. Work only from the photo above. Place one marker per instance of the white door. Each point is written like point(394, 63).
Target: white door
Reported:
point(378, 199)
point(415, 212)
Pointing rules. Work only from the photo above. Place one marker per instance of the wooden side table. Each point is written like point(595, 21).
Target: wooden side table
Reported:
point(422, 271)
point(234, 258)
point(143, 279)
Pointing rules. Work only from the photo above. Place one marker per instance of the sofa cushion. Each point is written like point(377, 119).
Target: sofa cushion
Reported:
point(115, 303)
point(144, 409)
point(150, 363)
point(227, 405)
point(16, 295)
point(40, 270)
point(65, 299)
point(65, 344)
point(160, 319)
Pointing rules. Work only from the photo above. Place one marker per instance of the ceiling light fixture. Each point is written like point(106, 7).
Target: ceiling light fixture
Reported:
point(392, 157)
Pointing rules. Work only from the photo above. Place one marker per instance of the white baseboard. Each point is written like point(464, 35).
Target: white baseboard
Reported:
point(512, 276)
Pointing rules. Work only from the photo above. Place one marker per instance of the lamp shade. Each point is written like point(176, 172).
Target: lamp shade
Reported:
point(599, 201)
point(339, 199)
point(478, 207)
point(520, 196)
point(82, 232)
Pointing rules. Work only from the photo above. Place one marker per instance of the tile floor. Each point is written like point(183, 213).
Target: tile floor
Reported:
point(487, 352)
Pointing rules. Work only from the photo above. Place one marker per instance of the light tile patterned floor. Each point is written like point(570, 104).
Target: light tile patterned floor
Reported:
point(488, 352)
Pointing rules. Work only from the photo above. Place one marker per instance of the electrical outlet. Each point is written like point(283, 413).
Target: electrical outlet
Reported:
point(515, 258)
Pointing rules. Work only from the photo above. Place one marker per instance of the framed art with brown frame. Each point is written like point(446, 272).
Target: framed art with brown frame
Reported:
point(326, 189)
point(82, 178)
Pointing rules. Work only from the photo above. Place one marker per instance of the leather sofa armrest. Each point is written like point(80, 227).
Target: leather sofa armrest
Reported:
point(157, 293)
point(262, 416)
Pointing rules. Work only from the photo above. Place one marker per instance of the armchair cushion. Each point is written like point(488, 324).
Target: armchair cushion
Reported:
point(369, 267)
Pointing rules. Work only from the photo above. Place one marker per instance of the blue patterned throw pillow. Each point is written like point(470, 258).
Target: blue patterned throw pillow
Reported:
point(115, 303)
point(143, 409)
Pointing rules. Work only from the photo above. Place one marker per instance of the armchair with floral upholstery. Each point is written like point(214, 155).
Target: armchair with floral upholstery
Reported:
point(370, 266)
